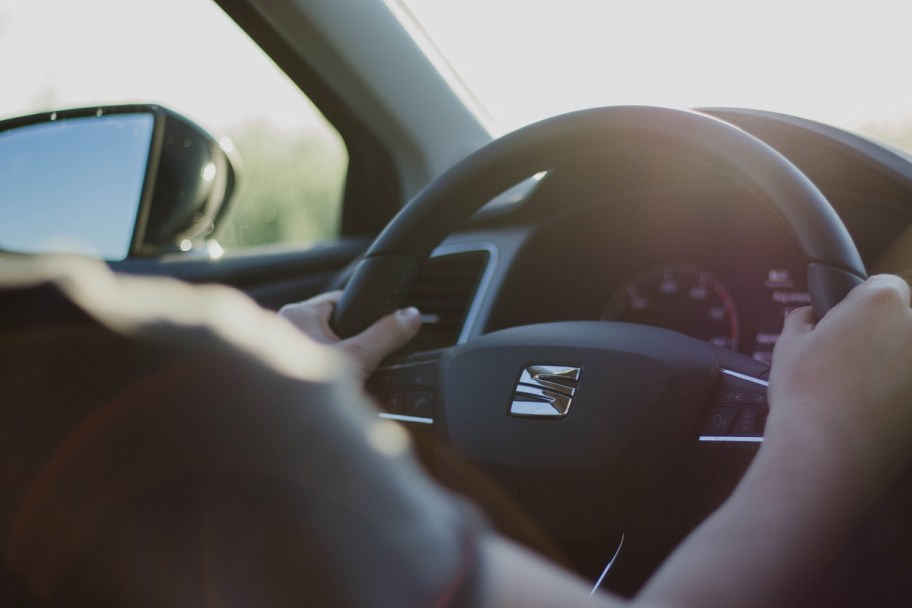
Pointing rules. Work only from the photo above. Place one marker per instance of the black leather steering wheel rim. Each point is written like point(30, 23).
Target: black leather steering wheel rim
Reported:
point(390, 265)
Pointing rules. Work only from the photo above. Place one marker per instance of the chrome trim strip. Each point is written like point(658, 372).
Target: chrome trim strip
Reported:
point(524, 405)
point(557, 378)
point(527, 392)
point(403, 418)
point(728, 372)
point(614, 557)
point(484, 283)
point(734, 439)
point(405, 365)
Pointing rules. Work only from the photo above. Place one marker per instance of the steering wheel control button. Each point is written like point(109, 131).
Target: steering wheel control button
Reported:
point(382, 378)
point(422, 374)
point(419, 403)
point(406, 391)
point(395, 401)
point(545, 391)
point(739, 410)
point(760, 420)
point(738, 391)
point(719, 420)
point(740, 396)
point(745, 423)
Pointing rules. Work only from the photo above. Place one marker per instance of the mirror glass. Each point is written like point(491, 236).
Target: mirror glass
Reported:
point(73, 185)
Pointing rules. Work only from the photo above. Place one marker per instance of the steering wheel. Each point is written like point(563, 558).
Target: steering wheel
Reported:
point(390, 264)
point(578, 418)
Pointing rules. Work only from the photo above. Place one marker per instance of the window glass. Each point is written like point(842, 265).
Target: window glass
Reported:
point(189, 56)
point(841, 63)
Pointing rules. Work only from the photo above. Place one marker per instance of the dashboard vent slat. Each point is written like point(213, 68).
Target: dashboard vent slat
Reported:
point(444, 291)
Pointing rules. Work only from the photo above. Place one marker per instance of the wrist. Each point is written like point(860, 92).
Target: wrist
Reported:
point(821, 453)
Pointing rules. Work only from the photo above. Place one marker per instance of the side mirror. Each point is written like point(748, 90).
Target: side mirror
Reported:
point(115, 182)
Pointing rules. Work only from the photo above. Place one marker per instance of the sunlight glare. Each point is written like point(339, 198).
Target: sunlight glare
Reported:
point(208, 172)
point(67, 58)
point(833, 62)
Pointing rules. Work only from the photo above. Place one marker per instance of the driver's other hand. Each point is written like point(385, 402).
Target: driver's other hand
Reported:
point(369, 347)
point(847, 381)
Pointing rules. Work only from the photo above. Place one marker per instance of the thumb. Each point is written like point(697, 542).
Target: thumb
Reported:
point(383, 337)
point(799, 322)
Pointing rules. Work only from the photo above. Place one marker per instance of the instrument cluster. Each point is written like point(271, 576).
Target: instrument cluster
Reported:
point(694, 301)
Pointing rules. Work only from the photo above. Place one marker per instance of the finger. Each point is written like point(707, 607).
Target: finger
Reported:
point(877, 283)
point(391, 332)
point(322, 306)
point(312, 316)
point(330, 296)
point(892, 283)
point(878, 298)
point(798, 322)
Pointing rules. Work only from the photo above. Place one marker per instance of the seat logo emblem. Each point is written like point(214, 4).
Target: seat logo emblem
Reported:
point(545, 391)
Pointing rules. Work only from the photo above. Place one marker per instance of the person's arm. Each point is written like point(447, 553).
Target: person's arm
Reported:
point(366, 349)
point(839, 431)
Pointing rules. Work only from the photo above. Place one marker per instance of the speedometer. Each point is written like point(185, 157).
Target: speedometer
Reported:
point(684, 298)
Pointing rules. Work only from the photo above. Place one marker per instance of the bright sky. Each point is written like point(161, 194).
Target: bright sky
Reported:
point(839, 62)
point(186, 54)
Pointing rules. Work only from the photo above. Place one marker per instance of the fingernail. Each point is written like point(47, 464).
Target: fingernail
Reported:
point(410, 317)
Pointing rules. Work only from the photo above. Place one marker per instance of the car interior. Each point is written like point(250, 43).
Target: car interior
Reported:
point(601, 291)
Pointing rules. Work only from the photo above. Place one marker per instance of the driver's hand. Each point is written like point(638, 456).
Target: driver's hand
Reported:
point(845, 384)
point(368, 348)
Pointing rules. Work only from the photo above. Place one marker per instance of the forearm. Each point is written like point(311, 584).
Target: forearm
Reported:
point(516, 577)
point(839, 432)
point(783, 524)
point(780, 528)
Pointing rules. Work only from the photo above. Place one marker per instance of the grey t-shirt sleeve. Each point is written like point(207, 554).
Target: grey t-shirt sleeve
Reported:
point(176, 446)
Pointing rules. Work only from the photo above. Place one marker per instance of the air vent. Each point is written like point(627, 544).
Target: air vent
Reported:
point(444, 292)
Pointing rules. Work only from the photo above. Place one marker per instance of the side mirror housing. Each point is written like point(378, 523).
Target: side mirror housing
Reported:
point(116, 182)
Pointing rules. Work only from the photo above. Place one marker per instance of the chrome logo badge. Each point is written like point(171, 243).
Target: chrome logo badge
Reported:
point(545, 391)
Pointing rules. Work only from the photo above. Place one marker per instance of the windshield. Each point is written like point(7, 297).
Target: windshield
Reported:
point(838, 63)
